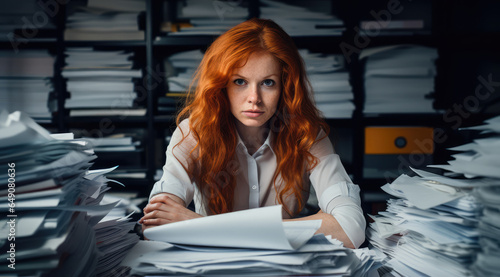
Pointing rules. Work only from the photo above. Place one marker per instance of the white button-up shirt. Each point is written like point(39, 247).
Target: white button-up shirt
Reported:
point(336, 193)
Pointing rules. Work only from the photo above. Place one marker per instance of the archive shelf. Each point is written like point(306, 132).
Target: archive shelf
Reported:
point(157, 46)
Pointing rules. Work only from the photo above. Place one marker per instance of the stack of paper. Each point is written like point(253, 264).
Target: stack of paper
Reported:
point(480, 161)
point(330, 82)
point(433, 220)
point(299, 21)
point(106, 20)
point(210, 17)
point(111, 149)
point(113, 144)
point(179, 72)
point(25, 83)
point(251, 242)
point(100, 80)
point(51, 205)
point(399, 79)
point(180, 69)
point(446, 225)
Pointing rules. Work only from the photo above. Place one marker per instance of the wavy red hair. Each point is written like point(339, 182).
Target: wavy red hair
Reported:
point(296, 124)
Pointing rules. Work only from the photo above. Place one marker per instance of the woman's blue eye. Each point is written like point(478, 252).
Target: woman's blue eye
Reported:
point(268, 83)
point(239, 82)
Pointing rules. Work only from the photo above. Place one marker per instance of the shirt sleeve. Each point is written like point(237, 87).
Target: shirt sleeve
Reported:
point(175, 179)
point(336, 193)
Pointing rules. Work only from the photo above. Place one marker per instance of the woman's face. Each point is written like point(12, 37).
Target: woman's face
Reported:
point(254, 90)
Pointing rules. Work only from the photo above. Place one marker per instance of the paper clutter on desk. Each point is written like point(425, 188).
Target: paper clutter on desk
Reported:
point(51, 215)
point(252, 242)
point(445, 225)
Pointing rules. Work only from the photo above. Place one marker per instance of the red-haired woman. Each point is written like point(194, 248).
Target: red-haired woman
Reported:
point(252, 137)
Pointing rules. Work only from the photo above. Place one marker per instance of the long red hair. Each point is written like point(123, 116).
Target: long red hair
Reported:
point(296, 124)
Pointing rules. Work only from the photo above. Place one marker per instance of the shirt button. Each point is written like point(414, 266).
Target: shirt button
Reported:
point(254, 187)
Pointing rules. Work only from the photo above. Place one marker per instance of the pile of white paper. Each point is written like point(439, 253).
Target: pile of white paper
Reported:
point(252, 242)
point(106, 20)
point(113, 144)
point(446, 225)
point(330, 82)
point(180, 69)
point(25, 83)
point(100, 79)
point(480, 161)
point(399, 79)
point(50, 205)
point(300, 21)
point(216, 17)
point(210, 17)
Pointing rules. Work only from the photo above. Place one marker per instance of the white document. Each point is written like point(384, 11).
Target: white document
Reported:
point(260, 228)
point(425, 194)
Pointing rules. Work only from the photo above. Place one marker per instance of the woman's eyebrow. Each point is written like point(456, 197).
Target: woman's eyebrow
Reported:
point(243, 77)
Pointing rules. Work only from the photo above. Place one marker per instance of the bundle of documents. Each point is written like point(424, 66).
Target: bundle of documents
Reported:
point(480, 161)
point(25, 83)
point(180, 69)
point(210, 17)
point(52, 216)
point(179, 72)
point(112, 148)
point(299, 21)
point(399, 79)
point(216, 17)
point(330, 82)
point(446, 225)
point(252, 242)
point(113, 144)
point(106, 20)
point(100, 80)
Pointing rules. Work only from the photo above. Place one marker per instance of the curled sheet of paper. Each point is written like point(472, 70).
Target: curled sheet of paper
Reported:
point(260, 228)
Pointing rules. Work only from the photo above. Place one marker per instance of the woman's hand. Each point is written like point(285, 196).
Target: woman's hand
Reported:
point(165, 208)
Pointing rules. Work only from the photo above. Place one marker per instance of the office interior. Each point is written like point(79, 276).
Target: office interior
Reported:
point(402, 85)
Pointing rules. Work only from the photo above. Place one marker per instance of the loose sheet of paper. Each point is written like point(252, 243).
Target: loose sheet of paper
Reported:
point(260, 228)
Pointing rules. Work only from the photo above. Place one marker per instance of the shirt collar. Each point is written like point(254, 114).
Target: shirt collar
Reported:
point(266, 144)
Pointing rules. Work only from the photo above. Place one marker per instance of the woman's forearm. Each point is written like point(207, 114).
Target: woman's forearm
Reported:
point(329, 226)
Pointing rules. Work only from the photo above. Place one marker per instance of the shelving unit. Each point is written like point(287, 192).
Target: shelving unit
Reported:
point(156, 46)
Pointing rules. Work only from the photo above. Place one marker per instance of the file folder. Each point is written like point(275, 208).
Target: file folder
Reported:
point(391, 150)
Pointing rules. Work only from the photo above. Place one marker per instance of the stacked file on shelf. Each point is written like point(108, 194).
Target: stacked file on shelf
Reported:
point(25, 83)
point(299, 21)
point(210, 17)
point(106, 20)
point(180, 69)
point(112, 148)
point(446, 225)
point(399, 79)
point(216, 17)
point(100, 80)
point(330, 82)
point(252, 242)
point(179, 72)
point(50, 206)
point(117, 143)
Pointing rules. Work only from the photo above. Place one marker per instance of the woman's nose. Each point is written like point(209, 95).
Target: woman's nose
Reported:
point(254, 95)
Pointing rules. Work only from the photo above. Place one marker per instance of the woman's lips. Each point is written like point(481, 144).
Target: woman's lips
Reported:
point(253, 113)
